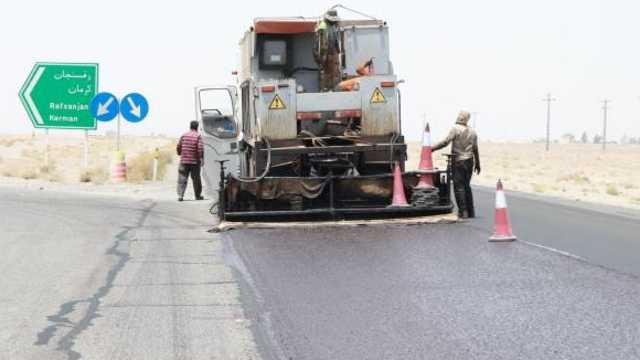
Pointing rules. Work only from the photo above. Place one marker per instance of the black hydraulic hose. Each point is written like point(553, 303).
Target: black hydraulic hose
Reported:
point(266, 169)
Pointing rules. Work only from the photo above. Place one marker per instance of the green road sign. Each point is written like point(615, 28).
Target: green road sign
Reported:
point(57, 95)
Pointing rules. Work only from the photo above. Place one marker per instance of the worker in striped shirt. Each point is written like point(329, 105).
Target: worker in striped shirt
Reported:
point(191, 154)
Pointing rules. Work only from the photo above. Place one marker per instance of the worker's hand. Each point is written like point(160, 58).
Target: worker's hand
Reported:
point(477, 169)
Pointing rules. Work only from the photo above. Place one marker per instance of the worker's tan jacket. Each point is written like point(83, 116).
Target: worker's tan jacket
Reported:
point(464, 142)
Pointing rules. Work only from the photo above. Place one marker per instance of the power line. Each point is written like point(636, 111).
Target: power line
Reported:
point(548, 100)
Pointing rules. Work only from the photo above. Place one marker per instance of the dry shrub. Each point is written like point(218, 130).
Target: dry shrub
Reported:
point(539, 188)
point(576, 178)
point(47, 169)
point(8, 142)
point(140, 168)
point(32, 154)
point(612, 190)
point(96, 175)
point(28, 173)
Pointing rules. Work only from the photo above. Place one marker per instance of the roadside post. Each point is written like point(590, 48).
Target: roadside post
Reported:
point(46, 149)
point(156, 156)
point(86, 149)
point(56, 96)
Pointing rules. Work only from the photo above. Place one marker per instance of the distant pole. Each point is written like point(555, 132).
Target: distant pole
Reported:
point(473, 117)
point(605, 107)
point(548, 99)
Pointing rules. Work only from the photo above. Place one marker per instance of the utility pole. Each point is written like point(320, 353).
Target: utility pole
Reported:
point(473, 117)
point(605, 107)
point(548, 100)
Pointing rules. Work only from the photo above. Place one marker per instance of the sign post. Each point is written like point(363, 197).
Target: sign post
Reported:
point(118, 133)
point(46, 149)
point(86, 149)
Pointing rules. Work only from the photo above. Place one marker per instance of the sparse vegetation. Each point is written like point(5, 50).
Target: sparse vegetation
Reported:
point(612, 190)
point(140, 168)
point(8, 142)
point(539, 188)
point(32, 154)
point(576, 178)
point(96, 175)
point(28, 173)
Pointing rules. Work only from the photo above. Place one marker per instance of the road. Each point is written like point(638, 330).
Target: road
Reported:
point(604, 235)
point(444, 292)
point(104, 277)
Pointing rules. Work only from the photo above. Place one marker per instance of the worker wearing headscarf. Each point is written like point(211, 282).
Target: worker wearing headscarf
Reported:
point(466, 159)
point(327, 50)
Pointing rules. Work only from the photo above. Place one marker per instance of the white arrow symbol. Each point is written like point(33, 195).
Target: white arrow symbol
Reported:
point(135, 109)
point(29, 90)
point(104, 108)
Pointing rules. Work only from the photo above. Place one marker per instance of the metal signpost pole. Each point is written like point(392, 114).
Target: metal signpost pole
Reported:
point(86, 149)
point(118, 134)
point(46, 149)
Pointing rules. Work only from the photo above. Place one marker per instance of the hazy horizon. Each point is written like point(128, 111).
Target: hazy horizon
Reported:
point(497, 59)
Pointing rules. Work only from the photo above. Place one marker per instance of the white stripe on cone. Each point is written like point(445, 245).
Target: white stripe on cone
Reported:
point(501, 200)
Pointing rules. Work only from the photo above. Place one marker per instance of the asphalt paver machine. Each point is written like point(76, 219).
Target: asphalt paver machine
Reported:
point(313, 126)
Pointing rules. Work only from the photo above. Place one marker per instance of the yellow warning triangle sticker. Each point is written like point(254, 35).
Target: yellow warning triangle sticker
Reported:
point(277, 103)
point(377, 96)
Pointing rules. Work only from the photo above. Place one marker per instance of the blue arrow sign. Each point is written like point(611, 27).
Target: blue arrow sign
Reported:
point(104, 106)
point(134, 107)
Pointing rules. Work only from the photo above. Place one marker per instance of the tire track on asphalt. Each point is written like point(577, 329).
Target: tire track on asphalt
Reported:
point(60, 320)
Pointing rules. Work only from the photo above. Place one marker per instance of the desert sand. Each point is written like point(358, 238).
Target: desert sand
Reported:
point(22, 156)
point(580, 172)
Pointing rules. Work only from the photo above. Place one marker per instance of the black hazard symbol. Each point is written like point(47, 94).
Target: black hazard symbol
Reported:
point(277, 103)
point(377, 96)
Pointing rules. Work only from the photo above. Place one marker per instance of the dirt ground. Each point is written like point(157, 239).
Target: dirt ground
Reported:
point(22, 156)
point(581, 172)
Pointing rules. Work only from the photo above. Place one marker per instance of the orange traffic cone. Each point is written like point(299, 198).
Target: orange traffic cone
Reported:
point(503, 230)
point(399, 199)
point(426, 160)
point(119, 168)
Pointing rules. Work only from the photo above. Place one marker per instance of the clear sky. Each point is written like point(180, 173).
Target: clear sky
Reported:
point(497, 58)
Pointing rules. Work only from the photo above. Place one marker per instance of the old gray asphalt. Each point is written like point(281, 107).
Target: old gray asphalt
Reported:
point(105, 278)
point(94, 277)
point(444, 292)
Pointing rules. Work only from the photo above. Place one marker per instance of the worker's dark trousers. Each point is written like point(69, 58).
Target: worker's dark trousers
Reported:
point(183, 177)
point(462, 172)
